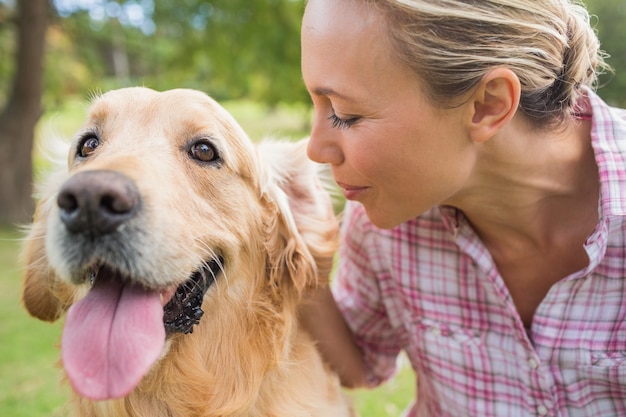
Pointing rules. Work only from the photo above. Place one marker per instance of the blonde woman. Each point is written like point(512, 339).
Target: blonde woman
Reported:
point(485, 229)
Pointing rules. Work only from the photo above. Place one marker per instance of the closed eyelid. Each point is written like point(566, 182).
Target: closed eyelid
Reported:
point(342, 115)
point(341, 123)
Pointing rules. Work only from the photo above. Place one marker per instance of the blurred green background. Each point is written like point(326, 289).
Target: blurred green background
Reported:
point(245, 53)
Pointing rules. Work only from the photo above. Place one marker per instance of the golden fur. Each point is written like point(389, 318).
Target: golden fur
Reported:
point(262, 209)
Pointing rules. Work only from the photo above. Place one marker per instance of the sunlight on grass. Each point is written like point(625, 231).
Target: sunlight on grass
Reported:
point(389, 399)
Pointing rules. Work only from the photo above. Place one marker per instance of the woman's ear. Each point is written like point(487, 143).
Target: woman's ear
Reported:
point(493, 103)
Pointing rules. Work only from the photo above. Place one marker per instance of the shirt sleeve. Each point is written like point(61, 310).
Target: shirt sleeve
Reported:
point(357, 290)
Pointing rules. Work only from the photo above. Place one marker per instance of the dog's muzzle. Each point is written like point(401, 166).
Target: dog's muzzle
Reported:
point(97, 203)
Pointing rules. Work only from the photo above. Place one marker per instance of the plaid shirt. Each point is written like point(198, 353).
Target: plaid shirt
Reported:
point(430, 287)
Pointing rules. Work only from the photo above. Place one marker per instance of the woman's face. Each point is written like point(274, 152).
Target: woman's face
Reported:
point(388, 147)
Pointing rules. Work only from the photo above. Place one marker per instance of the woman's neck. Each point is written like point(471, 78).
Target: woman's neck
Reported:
point(533, 188)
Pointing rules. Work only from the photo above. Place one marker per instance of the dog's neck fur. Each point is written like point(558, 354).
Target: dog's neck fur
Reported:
point(234, 378)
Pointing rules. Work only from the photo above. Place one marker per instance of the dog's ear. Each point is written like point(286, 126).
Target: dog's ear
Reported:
point(44, 295)
point(303, 232)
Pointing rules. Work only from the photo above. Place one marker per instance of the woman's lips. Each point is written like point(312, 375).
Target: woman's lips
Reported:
point(351, 192)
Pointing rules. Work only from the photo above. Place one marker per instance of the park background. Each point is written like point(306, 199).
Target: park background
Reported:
point(56, 54)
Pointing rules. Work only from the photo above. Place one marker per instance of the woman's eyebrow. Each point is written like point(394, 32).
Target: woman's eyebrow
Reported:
point(329, 92)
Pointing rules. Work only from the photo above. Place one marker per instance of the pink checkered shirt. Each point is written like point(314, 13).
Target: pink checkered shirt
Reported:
point(429, 287)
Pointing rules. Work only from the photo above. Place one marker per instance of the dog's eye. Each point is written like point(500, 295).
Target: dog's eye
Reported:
point(88, 145)
point(203, 151)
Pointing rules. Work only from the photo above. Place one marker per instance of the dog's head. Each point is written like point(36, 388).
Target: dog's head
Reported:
point(165, 208)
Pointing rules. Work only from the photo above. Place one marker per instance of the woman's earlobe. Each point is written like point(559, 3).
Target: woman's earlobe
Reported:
point(493, 103)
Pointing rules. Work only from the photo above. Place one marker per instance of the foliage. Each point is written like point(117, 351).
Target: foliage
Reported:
point(229, 48)
point(610, 23)
point(241, 47)
point(7, 45)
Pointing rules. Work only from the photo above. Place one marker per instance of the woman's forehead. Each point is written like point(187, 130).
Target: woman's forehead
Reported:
point(347, 48)
point(340, 17)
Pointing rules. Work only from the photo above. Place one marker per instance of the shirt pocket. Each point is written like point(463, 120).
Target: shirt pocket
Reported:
point(443, 353)
point(435, 334)
point(598, 376)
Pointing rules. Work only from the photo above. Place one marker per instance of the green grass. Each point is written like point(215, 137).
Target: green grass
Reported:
point(29, 378)
point(389, 399)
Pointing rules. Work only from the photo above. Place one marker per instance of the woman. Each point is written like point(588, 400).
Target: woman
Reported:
point(484, 233)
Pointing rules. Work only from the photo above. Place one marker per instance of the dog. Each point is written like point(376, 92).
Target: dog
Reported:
point(177, 251)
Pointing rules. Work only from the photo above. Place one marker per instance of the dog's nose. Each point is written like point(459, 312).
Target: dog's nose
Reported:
point(97, 202)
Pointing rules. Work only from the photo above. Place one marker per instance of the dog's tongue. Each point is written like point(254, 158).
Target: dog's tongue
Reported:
point(111, 339)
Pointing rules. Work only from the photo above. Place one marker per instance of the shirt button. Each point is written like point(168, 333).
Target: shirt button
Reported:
point(532, 362)
point(542, 410)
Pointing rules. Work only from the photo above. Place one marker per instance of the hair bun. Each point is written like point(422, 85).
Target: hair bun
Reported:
point(452, 44)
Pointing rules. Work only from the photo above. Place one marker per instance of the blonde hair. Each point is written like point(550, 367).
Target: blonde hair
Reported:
point(451, 44)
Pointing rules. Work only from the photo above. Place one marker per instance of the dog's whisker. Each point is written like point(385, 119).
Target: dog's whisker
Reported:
point(25, 237)
point(42, 261)
point(211, 256)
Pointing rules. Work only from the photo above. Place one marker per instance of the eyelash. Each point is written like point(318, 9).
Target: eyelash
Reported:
point(339, 123)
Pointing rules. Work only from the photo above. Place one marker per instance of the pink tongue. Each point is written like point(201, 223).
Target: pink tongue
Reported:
point(111, 339)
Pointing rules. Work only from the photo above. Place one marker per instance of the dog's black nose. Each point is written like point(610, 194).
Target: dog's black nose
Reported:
point(97, 202)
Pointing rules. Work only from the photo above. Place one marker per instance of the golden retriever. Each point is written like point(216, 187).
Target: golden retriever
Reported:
point(179, 250)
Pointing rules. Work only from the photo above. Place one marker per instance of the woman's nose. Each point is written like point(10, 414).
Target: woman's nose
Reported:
point(324, 143)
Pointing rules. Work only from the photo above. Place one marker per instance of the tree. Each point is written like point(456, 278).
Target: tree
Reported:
point(610, 21)
point(229, 48)
point(21, 112)
point(240, 47)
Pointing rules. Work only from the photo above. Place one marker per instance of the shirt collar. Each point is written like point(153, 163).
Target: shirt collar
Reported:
point(608, 138)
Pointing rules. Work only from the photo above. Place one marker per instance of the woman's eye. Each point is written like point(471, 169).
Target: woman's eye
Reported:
point(339, 123)
point(203, 151)
point(88, 145)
